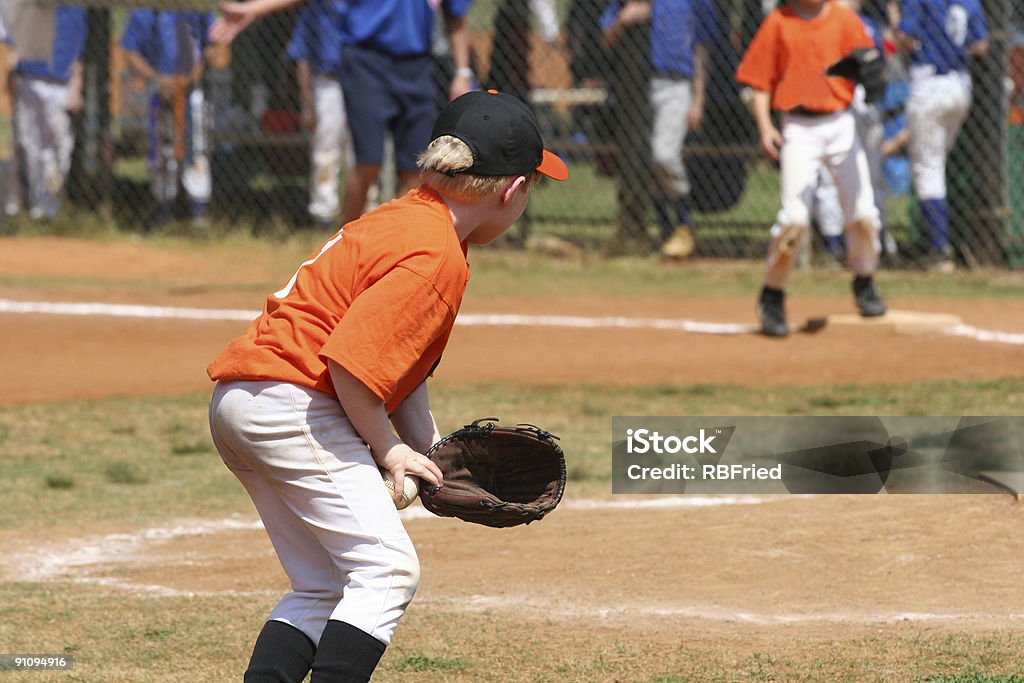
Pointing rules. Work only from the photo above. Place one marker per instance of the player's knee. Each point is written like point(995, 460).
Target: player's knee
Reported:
point(405, 573)
point(664, 159)
point(788, 233)
point(786, 241)
point(866, 227)
point(796, 214)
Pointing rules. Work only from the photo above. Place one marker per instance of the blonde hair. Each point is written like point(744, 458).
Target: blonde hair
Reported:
point(443, 165)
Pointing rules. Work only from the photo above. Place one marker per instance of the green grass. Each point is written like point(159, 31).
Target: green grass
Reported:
point(506, 272)
point(125, 638)
point(162, 448)
point(146, 460)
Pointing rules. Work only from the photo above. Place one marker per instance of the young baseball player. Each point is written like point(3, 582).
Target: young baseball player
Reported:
point(680, 32)
point(315, 47)
point(306, 399)
point(45, 92)
point(386, 75)
point(785, 66)
point(165, 49)
point(940, 36)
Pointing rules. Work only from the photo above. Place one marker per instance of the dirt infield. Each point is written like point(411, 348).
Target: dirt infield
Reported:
point(94, 356)
point(790, 574)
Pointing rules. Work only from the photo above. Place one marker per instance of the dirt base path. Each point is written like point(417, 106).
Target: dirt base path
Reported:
point(95, 356)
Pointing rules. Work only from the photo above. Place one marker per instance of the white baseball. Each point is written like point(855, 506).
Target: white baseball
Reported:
point(411, 488)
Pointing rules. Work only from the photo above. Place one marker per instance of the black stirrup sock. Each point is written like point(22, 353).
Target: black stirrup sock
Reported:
point(346, 654)
point(282, 654)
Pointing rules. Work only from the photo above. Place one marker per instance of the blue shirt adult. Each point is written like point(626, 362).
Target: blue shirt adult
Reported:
point(159, 37)
point(68, 43)
point(317, 36)
point(399, 28)
point(943, 29)
point(677, 27)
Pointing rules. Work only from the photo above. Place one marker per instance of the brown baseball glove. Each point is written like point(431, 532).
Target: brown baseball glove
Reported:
point(496, 476)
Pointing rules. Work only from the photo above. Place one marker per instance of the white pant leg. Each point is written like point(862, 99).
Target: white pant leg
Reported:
point(846, 161)
point(936, 110)
point(196, 177)
point(872, 133)
point(45, 128)
point(800, 161)
point(330, 148)
point(827, 212)
point(799, 169)
point(309, 469)
point(17, 191)
point(670, 102)
point(315, 580)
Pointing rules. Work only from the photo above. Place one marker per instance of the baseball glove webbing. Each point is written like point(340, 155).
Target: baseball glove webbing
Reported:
point(496, 476)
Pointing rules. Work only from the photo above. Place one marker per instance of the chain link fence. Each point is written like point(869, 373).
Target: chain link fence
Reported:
point(592, 97)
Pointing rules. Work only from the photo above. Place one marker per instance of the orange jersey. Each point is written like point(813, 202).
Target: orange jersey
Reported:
point(379, 298)
point(789, 55)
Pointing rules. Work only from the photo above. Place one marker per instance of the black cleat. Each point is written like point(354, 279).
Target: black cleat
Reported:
point(772, 312)
point(868, 298)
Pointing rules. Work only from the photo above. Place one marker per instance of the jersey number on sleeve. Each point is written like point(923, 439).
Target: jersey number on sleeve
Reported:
point(956, 25)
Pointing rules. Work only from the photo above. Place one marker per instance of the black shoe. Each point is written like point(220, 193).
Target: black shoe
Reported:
point(772, 312)
point(866, 294)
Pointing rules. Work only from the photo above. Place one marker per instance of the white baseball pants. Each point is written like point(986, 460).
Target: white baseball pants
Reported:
point(831, 143)
point(45, 143)
point(331, 146)
point(936, 110)
point(670, 101)
point(323, 503)
point(827, 212)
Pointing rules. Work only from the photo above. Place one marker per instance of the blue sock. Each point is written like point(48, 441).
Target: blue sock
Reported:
point(662, 209)
point(834, 244)
point(935, 216)
point(682, 206)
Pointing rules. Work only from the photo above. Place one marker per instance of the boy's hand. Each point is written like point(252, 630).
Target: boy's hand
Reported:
point(771, 141)
point(400, 460)
point(634, 13)
point(166, 86)
point(237, 16)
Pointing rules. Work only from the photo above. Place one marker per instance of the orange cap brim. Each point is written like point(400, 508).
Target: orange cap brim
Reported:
point(553, 167)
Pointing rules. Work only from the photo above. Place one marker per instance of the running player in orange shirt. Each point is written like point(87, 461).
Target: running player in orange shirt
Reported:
point(785, 66)
point(306, 398)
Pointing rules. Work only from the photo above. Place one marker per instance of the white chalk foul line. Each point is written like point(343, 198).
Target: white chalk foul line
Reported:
point(606, 322)
point(73, 559)
point(488, 603)
point(123, 310)
point(464, 319)
point(986, 335)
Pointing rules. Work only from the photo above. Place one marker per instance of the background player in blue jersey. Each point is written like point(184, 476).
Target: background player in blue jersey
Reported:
point(680, 31)
point(386, 75)
point(940, 36)
point(315, 46)
point(165, 48)
point(45, 91)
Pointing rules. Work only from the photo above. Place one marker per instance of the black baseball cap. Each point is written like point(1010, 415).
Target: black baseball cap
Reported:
point(502, 133)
